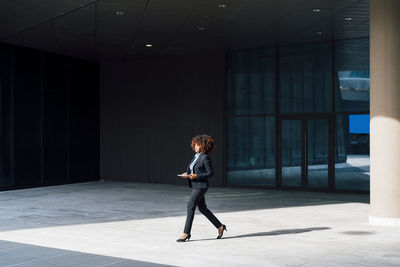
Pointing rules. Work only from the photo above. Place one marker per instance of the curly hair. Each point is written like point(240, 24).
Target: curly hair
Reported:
point(205, 142)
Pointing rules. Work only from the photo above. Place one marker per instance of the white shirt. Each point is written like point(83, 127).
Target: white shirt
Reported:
point(194, 162)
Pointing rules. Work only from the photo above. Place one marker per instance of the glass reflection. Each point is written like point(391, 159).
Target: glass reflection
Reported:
point(251, 151)
point(251, 81)
point(352, 165)
point(305, 78)
point(317, 153)
point(352, 75)
point(291, 152)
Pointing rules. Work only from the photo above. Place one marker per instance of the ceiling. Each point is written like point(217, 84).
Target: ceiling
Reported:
point(96, 30)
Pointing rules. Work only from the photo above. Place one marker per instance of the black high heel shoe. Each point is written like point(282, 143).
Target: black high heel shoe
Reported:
point(222, 233)
point(184, 239)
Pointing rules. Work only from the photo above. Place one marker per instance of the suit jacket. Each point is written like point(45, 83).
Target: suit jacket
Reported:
point(203, 169)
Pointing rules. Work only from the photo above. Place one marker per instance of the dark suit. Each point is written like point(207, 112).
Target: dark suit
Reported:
point(203, 169)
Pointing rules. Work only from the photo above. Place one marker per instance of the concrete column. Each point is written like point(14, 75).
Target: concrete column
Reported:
point(385, 112)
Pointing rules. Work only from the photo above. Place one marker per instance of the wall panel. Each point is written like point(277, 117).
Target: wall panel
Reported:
point(27, 116)
point(55, 131)
point(5, 114)
point(83, 121)
point(151, 109)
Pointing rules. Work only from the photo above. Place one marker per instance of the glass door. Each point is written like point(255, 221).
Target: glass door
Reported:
point(305, 149)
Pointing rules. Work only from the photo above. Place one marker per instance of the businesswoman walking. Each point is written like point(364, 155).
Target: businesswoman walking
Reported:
point(198, 172)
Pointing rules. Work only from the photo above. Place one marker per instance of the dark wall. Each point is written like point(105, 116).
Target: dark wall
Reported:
point(150, 110)
point(49, 118)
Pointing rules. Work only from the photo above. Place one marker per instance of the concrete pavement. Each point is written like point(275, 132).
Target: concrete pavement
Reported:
point(133, 224)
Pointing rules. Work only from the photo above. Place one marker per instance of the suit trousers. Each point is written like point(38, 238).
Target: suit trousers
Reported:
point(197, 199)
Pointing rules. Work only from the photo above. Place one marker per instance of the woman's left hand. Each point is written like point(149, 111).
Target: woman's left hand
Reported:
point(192, 176)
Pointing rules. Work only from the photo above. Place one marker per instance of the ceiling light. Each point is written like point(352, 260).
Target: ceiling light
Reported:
point(348, 19)
point(201, 28)
point(119, 12)
point(318, 33)
point(316, 10)
point(149, 45)
point(221, 5)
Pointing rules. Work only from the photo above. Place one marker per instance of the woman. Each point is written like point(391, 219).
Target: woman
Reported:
point(198, 172)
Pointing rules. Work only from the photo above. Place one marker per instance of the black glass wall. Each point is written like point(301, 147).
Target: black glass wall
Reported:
point(305, 107)
point(251, 121)
point(295, 113)
point(352, 86)
point(305, 78)
point(49, 118)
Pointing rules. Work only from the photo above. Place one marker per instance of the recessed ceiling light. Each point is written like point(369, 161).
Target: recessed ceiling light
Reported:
point(149, 45)
point(119, 12)
point(316, 10)
point(318, 33)
point(221, 5)
point(348, 19)
point(201, 28)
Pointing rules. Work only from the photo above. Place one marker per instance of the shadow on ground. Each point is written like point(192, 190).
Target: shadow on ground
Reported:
point(99, 202)
point(271, 233)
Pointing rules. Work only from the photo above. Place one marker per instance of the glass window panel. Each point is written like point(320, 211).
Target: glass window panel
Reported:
point(305, 78)
point(317, 153)
point(352, 165)
point(291, 152)
point(251, 81)
point(251, 151)
point(352, 84)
